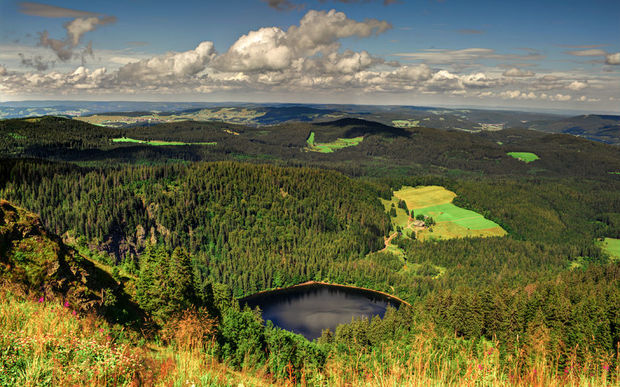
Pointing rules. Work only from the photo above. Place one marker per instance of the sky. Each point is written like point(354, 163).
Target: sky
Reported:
point(544, 54)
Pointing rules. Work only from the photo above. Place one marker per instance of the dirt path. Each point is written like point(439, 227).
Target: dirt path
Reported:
point(388, 240)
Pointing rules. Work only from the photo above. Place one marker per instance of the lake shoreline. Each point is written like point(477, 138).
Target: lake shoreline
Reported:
point(310, 283)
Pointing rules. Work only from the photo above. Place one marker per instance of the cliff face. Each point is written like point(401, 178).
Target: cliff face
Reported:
point(39, 262)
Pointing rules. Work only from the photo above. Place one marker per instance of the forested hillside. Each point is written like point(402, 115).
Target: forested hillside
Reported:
point(384, 150)
point(179, 232)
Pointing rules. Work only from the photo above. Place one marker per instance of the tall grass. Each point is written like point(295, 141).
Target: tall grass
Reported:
point(44, 342)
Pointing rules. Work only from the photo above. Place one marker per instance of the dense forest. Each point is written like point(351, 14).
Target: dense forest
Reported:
point(181, 233)
point(384, 151)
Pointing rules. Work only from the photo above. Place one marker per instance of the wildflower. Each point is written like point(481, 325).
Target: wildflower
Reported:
point(480, 367)
point(41, 299)
point(74, 312)
point(100, 330)
point(606, 367)
point(66, 304)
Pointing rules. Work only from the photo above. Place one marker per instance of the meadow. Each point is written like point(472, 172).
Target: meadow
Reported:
point(436, 202)
point(526, 157)
point(330, 147)
point(611, 246)
point(159, 142)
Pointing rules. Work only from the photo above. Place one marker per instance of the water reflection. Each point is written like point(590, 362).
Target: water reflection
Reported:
point(309, 309)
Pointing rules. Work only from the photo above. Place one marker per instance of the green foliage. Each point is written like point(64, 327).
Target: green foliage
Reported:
point(165, 285)
point(242, 338)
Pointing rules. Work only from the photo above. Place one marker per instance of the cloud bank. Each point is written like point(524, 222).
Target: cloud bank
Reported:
point(307, 58)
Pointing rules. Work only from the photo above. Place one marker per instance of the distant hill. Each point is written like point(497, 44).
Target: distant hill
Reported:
point(603, 128)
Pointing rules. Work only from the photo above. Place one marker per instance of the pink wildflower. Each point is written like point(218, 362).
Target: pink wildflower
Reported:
point(606, 367)
point(480, 367)
point(66, 304)
point(41, 299)
point(101, 330)
point(74, 313)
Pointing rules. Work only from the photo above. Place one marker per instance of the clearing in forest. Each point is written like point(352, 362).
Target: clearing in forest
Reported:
point(612, 247)
point(436, 202)
point(330, 147)
point(526, 157)
point(160, 143)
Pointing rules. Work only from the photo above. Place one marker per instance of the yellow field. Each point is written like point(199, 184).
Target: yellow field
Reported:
point(451, 221)
point(426, 196)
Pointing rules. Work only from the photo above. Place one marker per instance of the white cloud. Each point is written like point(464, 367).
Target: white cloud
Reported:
point(517, 94)
point(168, 67)
point(518, 73)
point(577, 85)
point(79, 26)
point(613, 59)
point(305, 59)
point(271, 48)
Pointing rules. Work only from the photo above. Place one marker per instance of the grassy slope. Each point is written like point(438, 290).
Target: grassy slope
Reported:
point(526, 157)
point(452, 221)
point(330, 147)
point(612, 247)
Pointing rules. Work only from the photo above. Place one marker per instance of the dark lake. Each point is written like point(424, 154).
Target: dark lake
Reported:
point(308, 309)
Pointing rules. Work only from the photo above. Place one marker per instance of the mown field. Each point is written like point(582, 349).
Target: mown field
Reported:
point(451, 221)
point(330, 147)
point(526, 157)
point(612, 247)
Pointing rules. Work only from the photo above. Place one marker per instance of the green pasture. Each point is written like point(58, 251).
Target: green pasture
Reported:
point(611, 246)
point(160, 143)
point(330, 147)
point(451, 221)
point(526, 157)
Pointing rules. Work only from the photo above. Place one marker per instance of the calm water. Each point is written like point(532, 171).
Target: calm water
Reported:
point(309, 309)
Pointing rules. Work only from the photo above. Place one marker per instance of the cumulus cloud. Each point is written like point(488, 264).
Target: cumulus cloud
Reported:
point(517, 94)
point(307, 56)
point(273, 49)
point(517, 72)
point(613, 59)
point(577, 85)
point(171, 66)
point(79, 26)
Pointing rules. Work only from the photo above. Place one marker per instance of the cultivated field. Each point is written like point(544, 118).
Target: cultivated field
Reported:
point(526, 157)
point(436, 202)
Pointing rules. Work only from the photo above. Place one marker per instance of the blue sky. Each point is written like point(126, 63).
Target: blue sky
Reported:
point(550, 54)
